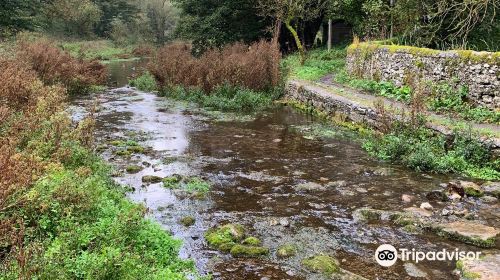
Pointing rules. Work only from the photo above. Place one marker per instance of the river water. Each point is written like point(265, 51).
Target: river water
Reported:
point(254, 164)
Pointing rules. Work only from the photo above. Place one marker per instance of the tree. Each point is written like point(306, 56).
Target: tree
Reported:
point(73, 17)
point(210, 23)
point(454, 20)
point(290, 13)
point(16, 15)
point(162, 19)
point(123, 10)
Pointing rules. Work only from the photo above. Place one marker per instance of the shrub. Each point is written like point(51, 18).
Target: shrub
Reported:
point(421, 149)
point(256, 67)
point(453, 100)
point(145, 82)
point(55, 66)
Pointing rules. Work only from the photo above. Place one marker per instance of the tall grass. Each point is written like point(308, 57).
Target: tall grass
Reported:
point(55, 66)
point(255, 67)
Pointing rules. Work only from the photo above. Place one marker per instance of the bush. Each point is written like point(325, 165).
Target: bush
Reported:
point(452, 100)
point(421, 149)
point(255, 67)
point(145, 82)
point(55, 66)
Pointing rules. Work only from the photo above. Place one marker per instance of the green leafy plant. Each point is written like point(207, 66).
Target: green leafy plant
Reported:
point(453, 101)
point(145, 82)
point(421, 149)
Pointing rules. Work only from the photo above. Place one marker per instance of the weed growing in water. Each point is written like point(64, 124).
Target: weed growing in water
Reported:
point(145, 82)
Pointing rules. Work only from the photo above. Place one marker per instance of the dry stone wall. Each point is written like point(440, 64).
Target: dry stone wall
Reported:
point(479, 71)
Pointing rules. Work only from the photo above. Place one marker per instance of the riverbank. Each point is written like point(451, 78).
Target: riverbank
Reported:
point(62, 215)
point(356, 109)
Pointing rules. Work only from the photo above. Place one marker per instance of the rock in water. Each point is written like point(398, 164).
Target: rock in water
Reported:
point(486, 268)
point(413, 271)
point(472, 189)
point(469, 232)
point(308, 187)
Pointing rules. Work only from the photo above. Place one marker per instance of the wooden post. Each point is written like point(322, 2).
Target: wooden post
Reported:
point(330, 34)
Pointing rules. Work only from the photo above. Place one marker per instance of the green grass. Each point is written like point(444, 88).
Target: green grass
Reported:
point(81, 226)
point(100, 49)
point(319, 63)
point(225, 98)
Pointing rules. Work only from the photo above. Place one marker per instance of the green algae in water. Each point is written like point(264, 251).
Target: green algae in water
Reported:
point(248, 251)
point(322, 264)
point(252, 241)
point(225, 237)
point(287, 250)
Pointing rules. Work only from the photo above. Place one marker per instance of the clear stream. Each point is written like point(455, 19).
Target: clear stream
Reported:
point(254, 164)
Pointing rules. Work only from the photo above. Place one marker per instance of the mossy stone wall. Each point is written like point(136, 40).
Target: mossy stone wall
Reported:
point(479, 71)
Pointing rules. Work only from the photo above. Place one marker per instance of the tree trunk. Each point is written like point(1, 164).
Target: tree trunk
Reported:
point(330, 34)
point(300, 47)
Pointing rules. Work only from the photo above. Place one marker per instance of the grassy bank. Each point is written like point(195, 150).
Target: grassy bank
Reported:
point(101, 49)
point(411, 144)
point(61, 214)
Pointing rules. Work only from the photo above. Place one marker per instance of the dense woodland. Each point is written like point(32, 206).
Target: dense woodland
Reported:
point(441, 24)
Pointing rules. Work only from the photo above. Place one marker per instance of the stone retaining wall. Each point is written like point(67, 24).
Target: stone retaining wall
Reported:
point(479, 71)
point(349, 110)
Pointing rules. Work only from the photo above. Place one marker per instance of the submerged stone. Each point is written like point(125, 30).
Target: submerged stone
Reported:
point(239, 250)
point(133, 169)
point(253, 241)
point(486, 268)
point(187, 221)
point(322, 264)
point(469, 232)
point(492, 189)
point(287, 250)
point(413, 271)
point(337, 184)
point(150, 179)
point(308, 187)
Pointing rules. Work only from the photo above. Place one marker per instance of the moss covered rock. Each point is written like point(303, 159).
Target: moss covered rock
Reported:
point(321, 264)
point(225, 237)
point(468, 232)
point(133, 169)
point(253, 241)
point(239, 250)
point(123, 153)
point(472, 189)
point(484, 268)
point(150, 179)
point(136, 149)
point(172, 182)
point(187, 221)
point(286, 251)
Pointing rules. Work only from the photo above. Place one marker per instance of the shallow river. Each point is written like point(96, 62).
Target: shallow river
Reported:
point(254, 164)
